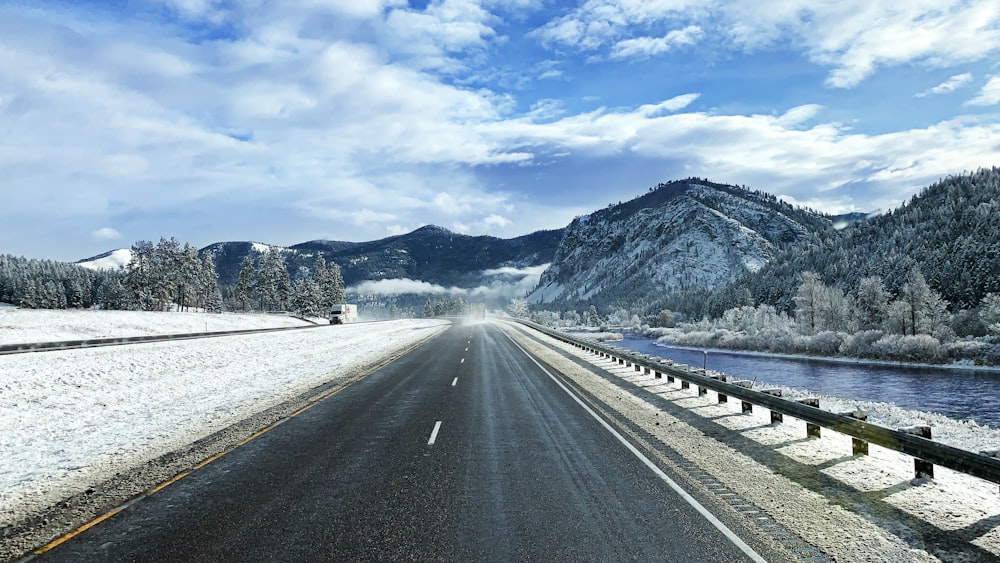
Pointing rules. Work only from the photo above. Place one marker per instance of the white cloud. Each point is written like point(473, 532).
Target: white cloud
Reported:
point(403, 286)
point(642, 47)
point(105, 233)
point(950, 85)
point(599, 23)
point(989, 95)
point(507, 283)
point(295, 113)
point(396, 230)
point(776, 154)
point(798, 115)
point(496, 221)
point(670, 105)
point(530, 271)
point(851, 37)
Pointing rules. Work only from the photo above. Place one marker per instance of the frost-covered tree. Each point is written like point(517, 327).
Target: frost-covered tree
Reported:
point(243, 293)
point(989, 311)
point(809, 303)
point(307, 298)
point(665, 318)
point(139, 277)
point(593, 317)
point(273, 287)
point(208, 286)
point(834, 309)
point(922, 305)
point(871, 304)
point(518, 307)
point(330, 280)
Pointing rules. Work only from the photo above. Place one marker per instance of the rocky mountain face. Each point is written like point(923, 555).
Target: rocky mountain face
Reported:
point(683, 235)
point(430, 254)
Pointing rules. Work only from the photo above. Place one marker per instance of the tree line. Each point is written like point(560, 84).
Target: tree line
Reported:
point(169, 275)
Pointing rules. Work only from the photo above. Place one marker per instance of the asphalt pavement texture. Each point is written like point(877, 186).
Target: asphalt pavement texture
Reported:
point(517, 471)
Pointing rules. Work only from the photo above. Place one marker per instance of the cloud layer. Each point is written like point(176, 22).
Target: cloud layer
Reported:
point(213, 120)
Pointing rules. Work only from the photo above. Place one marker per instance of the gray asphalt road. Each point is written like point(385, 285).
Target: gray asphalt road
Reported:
point(517, 471)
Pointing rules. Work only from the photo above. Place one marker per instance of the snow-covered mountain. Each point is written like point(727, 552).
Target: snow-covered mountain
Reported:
point(687, 234)
point(112, 260)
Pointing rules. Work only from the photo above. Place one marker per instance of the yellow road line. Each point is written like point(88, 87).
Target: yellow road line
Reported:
point(76, 532)
point(62, 539)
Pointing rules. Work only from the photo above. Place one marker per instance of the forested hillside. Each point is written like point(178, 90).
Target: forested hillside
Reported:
point(47, 284)
point(950, 232)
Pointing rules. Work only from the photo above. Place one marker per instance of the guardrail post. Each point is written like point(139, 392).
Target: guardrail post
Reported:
point(858, 446)
point(775, 416)
point(685, 385)
point(702, 390)
point(812, 430)
point(921, 468)
point(995, 454)
point(746, 407)
point(670, 378)
point(645, 371)
point(621, 362)
point(723, 398)
point(657, 375)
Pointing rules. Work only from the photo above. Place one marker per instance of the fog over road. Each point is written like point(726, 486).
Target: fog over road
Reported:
point(465, 449)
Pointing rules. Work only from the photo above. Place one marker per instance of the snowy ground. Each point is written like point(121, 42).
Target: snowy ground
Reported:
point(865, 508)
point(20, 326)
point(74, 418)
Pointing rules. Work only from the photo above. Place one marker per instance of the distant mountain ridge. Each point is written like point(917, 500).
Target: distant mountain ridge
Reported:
point(431, 254)
point(682, 235)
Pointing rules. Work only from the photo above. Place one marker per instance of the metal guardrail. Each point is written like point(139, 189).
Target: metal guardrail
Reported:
point(986, 467)
point(99, 342)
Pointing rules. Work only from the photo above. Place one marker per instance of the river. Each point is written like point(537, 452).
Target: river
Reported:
point(957, 393)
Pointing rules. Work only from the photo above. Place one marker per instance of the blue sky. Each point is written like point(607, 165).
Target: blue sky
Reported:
point(287, 121)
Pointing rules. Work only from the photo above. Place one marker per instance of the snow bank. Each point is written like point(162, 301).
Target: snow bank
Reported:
point(20, 326)
point(75, 418)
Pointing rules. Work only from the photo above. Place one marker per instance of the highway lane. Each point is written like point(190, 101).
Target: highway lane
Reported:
point(463, 450)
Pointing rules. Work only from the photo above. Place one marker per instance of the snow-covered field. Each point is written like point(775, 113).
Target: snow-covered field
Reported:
point(20, 326)
point(882, 513)
point(71, 419)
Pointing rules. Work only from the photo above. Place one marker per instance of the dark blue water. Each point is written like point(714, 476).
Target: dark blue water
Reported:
point(958, 393)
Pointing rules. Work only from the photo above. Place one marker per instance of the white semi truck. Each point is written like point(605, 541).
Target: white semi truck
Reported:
point(342, 313)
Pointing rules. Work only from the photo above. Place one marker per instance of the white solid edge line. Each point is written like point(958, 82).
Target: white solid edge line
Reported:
point(434, 433)
point(659, 472)
point(454, 382)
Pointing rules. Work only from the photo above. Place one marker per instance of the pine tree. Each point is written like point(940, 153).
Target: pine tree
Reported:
point(332, 284)
point(245, 285)
point(139, 277)
point(208, 286)
point(307, 299)
point(268, 279)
